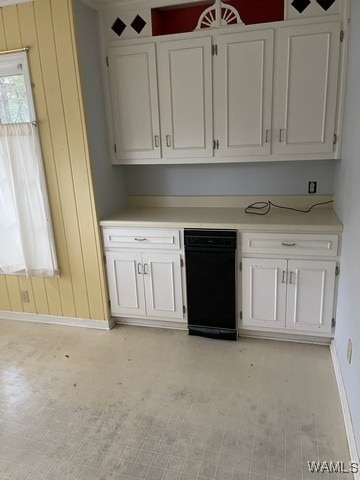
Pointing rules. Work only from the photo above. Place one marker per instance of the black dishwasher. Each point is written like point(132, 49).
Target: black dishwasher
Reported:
point(210, 282)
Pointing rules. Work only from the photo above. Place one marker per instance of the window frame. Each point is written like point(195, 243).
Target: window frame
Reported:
point(9, 64)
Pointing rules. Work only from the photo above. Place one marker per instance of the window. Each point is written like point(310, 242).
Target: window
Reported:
point(26, 237)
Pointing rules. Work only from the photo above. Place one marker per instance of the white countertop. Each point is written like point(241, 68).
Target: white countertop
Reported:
point(319, 219)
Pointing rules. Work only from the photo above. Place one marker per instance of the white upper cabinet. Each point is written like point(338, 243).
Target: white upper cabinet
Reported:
point(243, 93)
point(134, 95)
point(306, 89)
point(185, 86)
point(250, 95)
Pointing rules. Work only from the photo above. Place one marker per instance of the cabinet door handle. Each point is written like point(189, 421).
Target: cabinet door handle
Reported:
point(157, 142)
point(292, 274)
point(139, 239)
point(284, 244)
point(267, 136)
point(284, 277)
point(146, 269)
point(139, 269)
point(168, 141)
point(281, 135)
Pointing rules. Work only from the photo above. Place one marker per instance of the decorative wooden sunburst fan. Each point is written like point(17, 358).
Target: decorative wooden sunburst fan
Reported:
point(218, 15)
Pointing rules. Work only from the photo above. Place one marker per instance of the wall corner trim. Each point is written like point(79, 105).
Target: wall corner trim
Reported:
point(55, 320)
point(354, 454)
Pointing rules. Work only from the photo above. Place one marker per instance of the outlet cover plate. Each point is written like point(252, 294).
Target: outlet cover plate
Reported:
point(312, 187)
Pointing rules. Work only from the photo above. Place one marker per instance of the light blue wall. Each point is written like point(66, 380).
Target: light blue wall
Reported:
point(108, 180)
point(347, 198)
point(272, 178)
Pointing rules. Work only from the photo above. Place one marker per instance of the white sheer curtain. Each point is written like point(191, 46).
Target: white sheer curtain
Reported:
point(26, 236)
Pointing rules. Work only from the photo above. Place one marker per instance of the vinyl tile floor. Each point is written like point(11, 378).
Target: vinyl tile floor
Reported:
point(150, 404)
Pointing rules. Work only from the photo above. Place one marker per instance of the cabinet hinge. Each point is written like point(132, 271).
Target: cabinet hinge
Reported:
point(216, 144)
point(337, 270)
point(335, 139)
point(214, 49)
point(184, 309)
point(333, 322)
point(342, 35)
point(115, 149)
point(107, 61)
point(241, 315)
point(240, 266)
point(181, 262)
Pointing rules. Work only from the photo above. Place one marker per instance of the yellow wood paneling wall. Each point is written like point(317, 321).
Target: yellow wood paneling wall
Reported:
point(47, 27)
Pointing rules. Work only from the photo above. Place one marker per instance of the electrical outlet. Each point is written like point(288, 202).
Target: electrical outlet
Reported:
point(349, 351)
point(24, 295)
point(312, 187)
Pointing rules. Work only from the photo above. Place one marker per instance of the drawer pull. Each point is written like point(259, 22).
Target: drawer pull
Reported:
point(146, 269)
point(284, 244)
point(267, 136)
point(284, 277)
point(139, 269)
point(140, 239)
point(281, 135)
point(292, 275)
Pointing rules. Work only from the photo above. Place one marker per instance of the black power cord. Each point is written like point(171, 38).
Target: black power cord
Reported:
point(263, 208)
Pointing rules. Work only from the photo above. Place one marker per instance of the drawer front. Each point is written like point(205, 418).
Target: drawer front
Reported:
point(290, 244)
point(141, 238)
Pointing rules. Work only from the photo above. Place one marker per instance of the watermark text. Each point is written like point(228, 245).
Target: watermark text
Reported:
point(333, 467)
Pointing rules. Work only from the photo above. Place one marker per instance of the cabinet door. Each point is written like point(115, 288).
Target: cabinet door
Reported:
point(133, 83)
point(264, 292)
point(126, 286)
point(162, 278)
point(243, 93)
point(310, 295)
point(185, 86)
point(306, 88)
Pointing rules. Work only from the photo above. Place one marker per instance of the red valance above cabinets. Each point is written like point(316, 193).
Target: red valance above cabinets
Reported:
point(182, 18)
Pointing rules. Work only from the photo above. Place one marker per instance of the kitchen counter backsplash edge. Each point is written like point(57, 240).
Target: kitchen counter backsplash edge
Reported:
point(212, 215)
point(229, 201)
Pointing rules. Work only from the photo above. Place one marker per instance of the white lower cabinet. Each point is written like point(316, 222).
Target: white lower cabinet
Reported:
point(264, 294)
point(126, 283)
point(290, 294)
point(143, 283)
point(310, 295)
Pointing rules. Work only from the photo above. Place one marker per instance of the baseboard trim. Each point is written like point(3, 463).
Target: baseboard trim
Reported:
point(354, 454)
point(112, 322)
point(285, 337)
point(55, 320)
point(147, 322)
